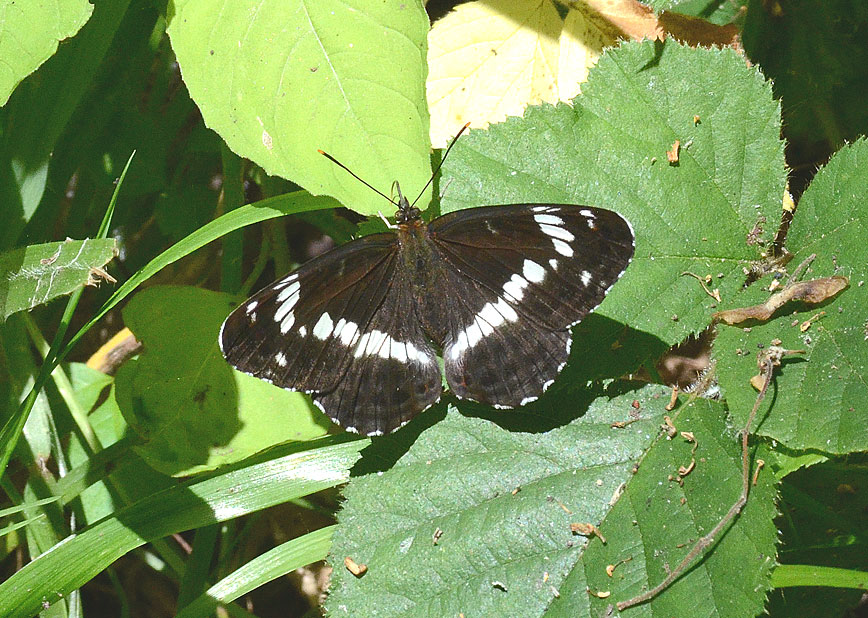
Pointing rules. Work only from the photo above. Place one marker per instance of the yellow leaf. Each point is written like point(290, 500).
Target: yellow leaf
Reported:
point(489, 60)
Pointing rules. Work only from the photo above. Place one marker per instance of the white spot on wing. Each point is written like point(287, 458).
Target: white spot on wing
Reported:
point(415, 354)
point(459, 346)
point(398, 351)
point(533, 272)
point(282, 284)
point(562, 247)
point(302, 331)
point(324, 326)
point(548, 219)
point(553, 263)
point(292, 289)
point(251, 306)
point(370, 343)
point(586, 213)
point(287, 298)
point(474, 333)
point(349, 333)
point(586, 278)
point(515, 287)
point(527, 400)
point(557, 232)
point(280, 357)
point(287, 323)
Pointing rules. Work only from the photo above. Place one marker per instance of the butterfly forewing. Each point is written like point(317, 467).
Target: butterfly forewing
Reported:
point(557, 262)
point(342, 328)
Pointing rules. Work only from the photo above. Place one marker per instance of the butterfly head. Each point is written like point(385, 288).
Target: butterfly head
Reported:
point(406, 212)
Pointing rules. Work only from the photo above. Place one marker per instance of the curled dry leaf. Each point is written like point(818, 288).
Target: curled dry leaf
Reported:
point(811, 292)
point(354, 567)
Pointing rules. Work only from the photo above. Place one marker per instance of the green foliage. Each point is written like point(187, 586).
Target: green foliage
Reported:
point(275, 82)
point(190, 409)
point(280, 80)
point(37, 274)
point(504, 502)
point(819, 397)
point(29, 34)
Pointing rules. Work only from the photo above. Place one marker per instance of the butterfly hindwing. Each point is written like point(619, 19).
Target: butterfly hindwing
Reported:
point(393, 374)
point(493, 354)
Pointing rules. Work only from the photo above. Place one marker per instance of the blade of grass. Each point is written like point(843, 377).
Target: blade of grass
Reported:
point(269, 566)
point(791, 575)
point(290, 203)
point(284, 473)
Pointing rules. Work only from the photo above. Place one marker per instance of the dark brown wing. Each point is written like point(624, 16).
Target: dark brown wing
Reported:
point(338, 328)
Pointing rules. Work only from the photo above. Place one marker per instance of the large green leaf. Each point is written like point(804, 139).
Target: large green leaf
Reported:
point(37, 274)
point(504, 501)
point(192, 411)
point(279, 80)
point(29, 34)
point(609, 149)
point(819, 400)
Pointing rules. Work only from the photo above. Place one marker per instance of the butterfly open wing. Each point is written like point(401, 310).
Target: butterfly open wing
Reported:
point(525, 273)
point(369, 373)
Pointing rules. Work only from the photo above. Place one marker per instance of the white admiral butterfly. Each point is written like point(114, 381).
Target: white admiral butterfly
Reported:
point(494, 290)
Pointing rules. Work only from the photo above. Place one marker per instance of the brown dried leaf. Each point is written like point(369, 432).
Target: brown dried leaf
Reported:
point(811, 292)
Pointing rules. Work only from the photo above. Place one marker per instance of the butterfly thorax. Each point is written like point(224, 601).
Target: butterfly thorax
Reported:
point(419, 267)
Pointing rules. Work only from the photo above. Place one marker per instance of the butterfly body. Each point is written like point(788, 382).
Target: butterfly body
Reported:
point(493, 290)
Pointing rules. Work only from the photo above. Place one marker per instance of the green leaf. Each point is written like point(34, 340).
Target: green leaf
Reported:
point(791, 575)
point(278, 80)
point(34, 275)
point(274, 563)
point(191, 409)
point(29, 34)
point(288, 473)
point(504, 502)
point(820, 399)
point(609, 149)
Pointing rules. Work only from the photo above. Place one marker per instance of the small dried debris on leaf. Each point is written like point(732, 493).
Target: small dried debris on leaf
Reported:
point(96, 274)
point(673, 153)
point(585, 529)
point(354, 567)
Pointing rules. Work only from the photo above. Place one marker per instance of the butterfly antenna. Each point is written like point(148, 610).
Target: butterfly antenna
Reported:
point(353, 174)
point(439, 165)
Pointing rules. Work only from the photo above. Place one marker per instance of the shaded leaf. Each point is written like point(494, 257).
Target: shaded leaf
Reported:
point(194, 411)
point(502, 503)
